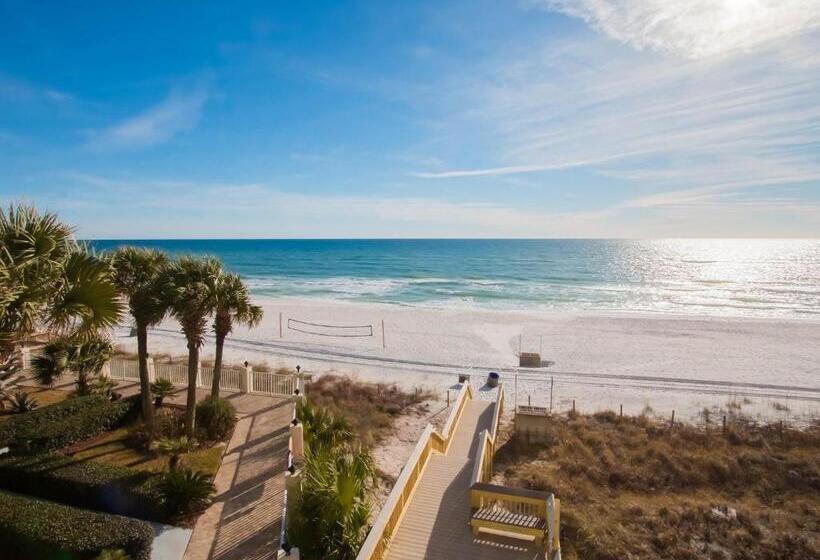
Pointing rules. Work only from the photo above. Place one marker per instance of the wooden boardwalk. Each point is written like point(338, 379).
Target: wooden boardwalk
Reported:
point(436, 525)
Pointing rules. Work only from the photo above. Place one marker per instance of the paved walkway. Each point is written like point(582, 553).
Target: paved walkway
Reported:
point(245, 519)
point(436, 525)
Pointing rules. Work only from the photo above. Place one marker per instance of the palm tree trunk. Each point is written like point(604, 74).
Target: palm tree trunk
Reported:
point(190, 406)
point(220, 342)
point(145, 384)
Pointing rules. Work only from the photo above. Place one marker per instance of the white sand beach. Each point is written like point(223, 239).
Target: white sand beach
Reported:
point(769, 368)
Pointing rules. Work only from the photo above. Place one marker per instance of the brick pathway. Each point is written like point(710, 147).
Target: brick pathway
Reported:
point(245, 519)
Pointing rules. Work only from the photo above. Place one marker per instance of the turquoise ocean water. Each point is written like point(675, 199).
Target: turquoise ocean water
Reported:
point(758, 278)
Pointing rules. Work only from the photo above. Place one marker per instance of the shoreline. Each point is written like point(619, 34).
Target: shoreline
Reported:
point(599, 360)
point(555, 312)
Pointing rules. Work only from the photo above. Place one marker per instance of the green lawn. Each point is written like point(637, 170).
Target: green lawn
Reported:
point(114, 448)
point(43, 395)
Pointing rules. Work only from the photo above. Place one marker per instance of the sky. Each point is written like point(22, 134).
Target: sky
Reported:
point(532, 118)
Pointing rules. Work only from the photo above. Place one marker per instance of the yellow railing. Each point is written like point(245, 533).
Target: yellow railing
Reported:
point(375, 545)
point(484, 495)
point(483, 468)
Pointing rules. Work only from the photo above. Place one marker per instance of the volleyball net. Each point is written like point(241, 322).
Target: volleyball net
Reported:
point(321, 329)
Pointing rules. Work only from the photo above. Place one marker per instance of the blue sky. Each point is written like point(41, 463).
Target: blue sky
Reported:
point(586, 118)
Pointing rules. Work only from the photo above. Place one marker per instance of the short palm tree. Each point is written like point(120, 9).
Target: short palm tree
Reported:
point(87, 358)
point(161, 389)
point(233, 306)
point(321, 428)
point(139, 274)
point(174, 448)
point(190, 292)
point(185, 492)
point(50, 363)
point(84, 357)
point(332, 510)
point(22, 402)
point(49, 281)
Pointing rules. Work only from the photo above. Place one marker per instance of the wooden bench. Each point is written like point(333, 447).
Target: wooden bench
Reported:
point(513, 524)
point(513, 512)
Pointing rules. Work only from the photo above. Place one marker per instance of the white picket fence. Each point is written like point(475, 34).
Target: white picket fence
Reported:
point(175, 373)
point(123, 369)
point(273, 383)
point(232, 379)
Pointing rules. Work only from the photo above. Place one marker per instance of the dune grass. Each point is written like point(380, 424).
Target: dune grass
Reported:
point(370, 408)
point(634, 488)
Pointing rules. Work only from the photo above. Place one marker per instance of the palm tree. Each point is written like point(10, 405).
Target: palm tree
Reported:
point(332, 510)
point(85, 358)
point(190, 291)
point(174, 448)
point(49, 281)
point(233, 306)
point(139, 276)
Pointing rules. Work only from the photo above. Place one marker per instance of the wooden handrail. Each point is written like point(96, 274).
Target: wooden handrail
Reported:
point(516, 500)
point(375, 545)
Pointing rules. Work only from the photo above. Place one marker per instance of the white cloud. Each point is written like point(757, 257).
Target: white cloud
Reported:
point(179, 112)
point(672, 132)
point(695, 28)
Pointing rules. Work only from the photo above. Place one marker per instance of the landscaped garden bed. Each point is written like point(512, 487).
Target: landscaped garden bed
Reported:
point(62, 424)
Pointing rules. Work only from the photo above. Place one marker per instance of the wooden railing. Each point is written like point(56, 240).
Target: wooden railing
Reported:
point(484, 495)
point(375, 545)
point(483, 468)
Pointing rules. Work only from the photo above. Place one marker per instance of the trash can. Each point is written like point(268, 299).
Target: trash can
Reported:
point(492, 379)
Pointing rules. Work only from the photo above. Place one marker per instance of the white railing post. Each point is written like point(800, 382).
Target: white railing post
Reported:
point(25, 359)
point(248, 378)
point(106, 370)
point(152, 370)
point(199, 374)
point(297, 442)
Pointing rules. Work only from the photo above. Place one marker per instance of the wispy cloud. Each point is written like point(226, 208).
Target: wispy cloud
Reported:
point(695, 28)
point(16, 89)
point(179, 112)
point(681, 131)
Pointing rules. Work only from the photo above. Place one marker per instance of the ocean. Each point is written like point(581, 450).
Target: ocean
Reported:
point(752, 278)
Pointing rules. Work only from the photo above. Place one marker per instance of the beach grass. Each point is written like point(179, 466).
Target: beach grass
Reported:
point(370, 408)
point(637, 488)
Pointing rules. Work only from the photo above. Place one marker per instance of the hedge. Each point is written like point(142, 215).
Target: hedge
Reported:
point(32, 528)
point(62, 424)
point(85, 484)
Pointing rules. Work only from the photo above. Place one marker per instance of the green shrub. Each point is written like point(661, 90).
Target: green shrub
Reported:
point(62, 424)
point(109, 554)
point(85, 484)
point(32, 528)
point(215, 418)
point(185, 492)
point(168, 423)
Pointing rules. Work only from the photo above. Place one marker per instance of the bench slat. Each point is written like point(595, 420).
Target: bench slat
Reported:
point(508, 518)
